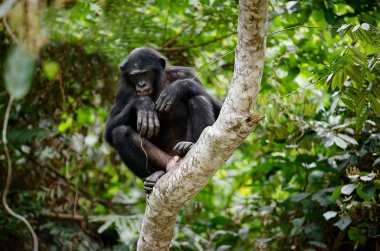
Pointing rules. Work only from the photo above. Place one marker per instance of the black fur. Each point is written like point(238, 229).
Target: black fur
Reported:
point(163, 109)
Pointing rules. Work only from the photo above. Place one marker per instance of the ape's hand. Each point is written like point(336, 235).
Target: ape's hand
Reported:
point(148, 124)
point(183, 147)
point(168, 97)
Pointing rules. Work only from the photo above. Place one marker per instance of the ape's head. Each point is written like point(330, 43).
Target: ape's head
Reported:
point(142, 70)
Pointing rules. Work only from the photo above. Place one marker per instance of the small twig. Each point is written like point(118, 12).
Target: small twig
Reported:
point(298, 90)
point(268, 34)
point(302, 26)
point(172, 39)
point(9, 30)
point(9, 178)
point(62, 89)
point(77, 217)
point(75, 200)
point(207, 66)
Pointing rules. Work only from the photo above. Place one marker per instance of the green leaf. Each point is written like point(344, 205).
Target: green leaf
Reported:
point(297, 226)
point(338, 79)
point(354, 72)
point(365, 26)
point(336, 194)
point(329, 77)
point(349, 103)
point(343, 222)
point(343, 27)
point(19, 69)
point(318, 244)
point(366, 192)
point(334, 105)
point(299, 196)
point(368, 177)
point(340, 142)
point(361, 103)
point(356, 27)
point(352, 94)
point(364, 36)
point(329, 214)
point(361, 119)
point(375, 103)
point(348, 189)
point(355, 235)
point(358, 56)
point(50, 69)
point(376, 91)
point(348, 138)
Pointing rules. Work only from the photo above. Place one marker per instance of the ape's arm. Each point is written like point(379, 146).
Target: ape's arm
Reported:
point(137, 113)
point(182, 89)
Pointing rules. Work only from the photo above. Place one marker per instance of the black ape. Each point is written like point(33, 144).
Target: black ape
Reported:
point(166, 105)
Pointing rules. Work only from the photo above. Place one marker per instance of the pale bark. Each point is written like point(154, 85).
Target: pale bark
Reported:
point(218, 142)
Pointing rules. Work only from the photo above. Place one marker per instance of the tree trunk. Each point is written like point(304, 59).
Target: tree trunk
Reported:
point(218, 142)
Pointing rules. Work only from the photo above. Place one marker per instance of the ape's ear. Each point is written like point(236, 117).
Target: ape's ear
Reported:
point(162, 62)
point(122, 67)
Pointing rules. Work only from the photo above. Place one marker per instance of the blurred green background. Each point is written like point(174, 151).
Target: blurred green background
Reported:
point(306, 179)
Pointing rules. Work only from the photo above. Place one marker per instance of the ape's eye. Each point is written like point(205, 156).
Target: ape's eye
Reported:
point(132, 76)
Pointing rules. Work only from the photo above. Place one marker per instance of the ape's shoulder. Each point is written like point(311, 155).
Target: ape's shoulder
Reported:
point(174, 73)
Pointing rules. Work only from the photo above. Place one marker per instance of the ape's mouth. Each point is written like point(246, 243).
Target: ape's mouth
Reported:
point(145, 92)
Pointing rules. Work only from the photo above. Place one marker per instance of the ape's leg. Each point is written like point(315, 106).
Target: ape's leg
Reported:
point(144, 159)
point(150, 181)
point(201, 116)
point(139, 154)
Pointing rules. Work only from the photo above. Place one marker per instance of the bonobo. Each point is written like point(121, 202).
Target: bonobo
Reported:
point(159, 112)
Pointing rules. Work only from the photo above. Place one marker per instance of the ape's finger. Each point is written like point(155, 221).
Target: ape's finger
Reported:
point(175, 148)
point(148, 190)
point(183, 146)
point(150, 131)
point(187, 147)
point(160, 101)
point(139, 122)
point(168, 105)
point(144, 124)
point(156, 125)
point(149, 183)
point(161, 105)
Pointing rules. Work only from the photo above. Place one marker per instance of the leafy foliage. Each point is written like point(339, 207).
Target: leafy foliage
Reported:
point(307, 179)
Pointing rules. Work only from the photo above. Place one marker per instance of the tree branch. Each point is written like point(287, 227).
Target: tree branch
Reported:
point(76, 217)
point(218, 142)
point(302, 26)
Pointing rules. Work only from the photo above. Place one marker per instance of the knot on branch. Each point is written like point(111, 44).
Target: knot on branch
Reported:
point(248, 125)
point(241, 124)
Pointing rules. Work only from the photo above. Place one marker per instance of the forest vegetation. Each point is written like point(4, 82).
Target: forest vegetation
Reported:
point(307, 178)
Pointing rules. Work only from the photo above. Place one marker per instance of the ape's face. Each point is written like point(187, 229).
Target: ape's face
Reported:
point(142, 80)
point(142, 70)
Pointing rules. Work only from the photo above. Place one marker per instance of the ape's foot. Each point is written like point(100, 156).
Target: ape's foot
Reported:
point(183, 147)
point(173, 163)
point(151, 180)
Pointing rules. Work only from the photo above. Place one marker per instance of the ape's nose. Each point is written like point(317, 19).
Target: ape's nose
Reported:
point(142, 84)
